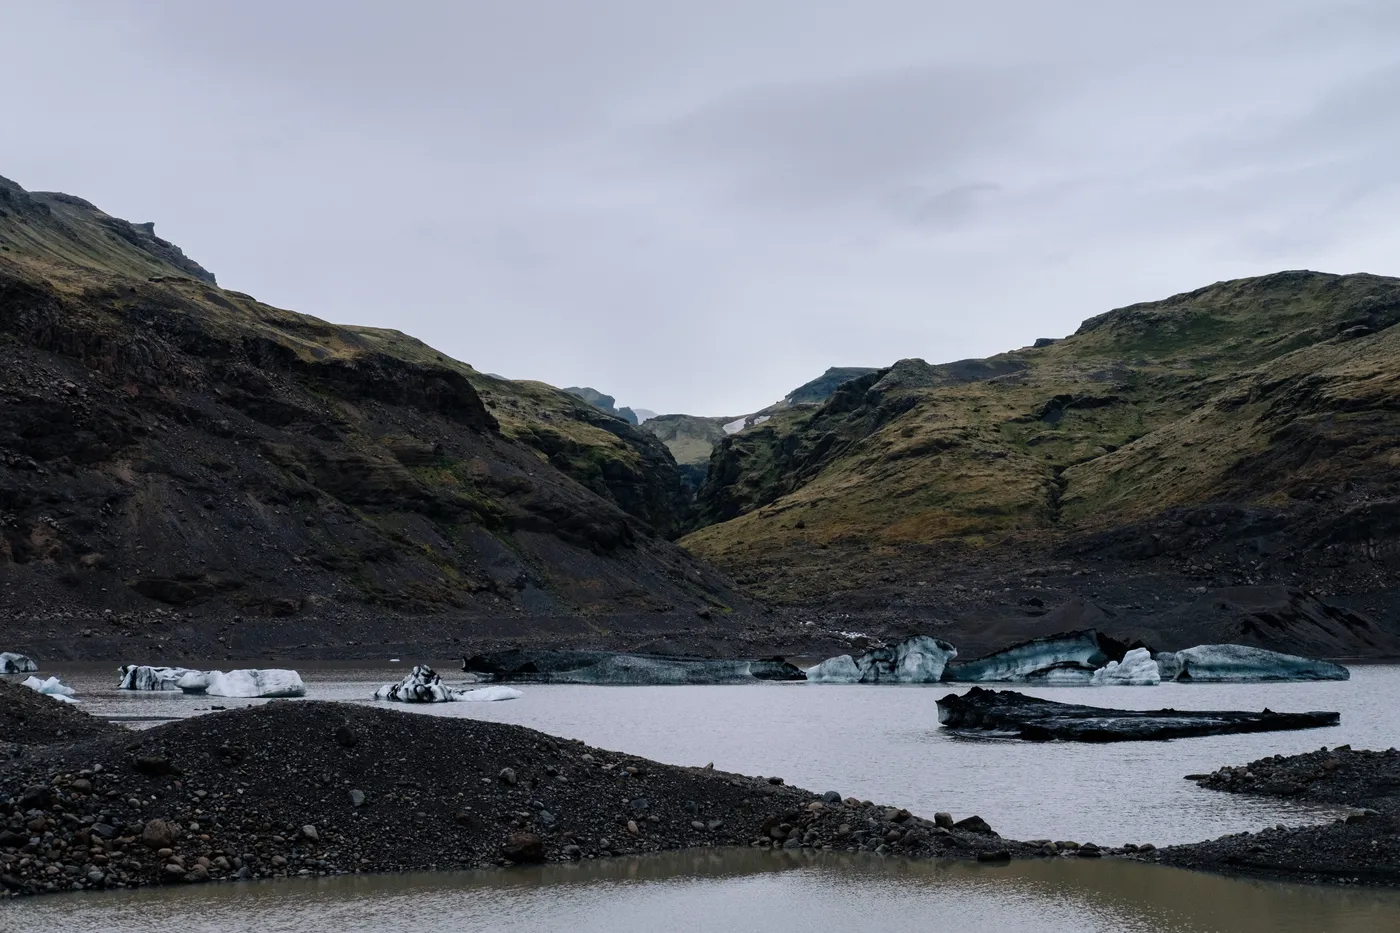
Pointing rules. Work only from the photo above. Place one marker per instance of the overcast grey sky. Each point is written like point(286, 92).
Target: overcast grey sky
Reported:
point(698, 206)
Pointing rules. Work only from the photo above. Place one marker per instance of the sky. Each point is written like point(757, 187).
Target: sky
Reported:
point(696, 207)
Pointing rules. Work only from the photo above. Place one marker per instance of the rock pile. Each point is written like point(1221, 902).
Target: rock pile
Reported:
point(310, 788)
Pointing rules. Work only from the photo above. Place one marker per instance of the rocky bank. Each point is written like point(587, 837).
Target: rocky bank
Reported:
point(310, 788)
point(1361, 846)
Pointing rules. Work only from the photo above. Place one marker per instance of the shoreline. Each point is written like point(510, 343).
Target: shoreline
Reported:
point(309, 787)
point(243, 785)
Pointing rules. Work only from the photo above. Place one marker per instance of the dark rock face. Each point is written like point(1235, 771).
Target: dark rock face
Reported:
point(165, 444)
point(1012, 713)
point(604, 667)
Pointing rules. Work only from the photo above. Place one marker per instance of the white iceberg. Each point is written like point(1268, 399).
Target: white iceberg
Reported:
point(13, 663)
point(918, 659)
point(1137, 669)
point(51, 687)
point(1216, 664)
point(487, 694)
point(424, 685)
point(1062, 660)
point(270, 683)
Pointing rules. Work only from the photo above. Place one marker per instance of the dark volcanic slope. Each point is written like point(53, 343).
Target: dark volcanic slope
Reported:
point(436, 793)
point(1238, 435)
point(165, 443)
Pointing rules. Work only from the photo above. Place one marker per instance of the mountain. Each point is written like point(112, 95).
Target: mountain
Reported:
point(167, 444)
point(1240, 434)
point(693, 438)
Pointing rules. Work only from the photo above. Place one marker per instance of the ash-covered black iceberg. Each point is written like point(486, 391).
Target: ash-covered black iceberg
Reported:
point(606, 667)
point(1009, 713)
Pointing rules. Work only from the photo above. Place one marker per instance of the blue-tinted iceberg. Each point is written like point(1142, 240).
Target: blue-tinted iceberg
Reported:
point(1242, 664)
point(918, 659)
point(51, 687)
point(1067, 659)
point(12, 663)
point(1137, 669)
point(606, 667)
point(424, 685)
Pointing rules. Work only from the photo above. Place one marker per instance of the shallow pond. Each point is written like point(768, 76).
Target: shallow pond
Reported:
point(733, 891)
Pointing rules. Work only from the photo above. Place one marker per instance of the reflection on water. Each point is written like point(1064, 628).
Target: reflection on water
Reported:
point(884, 744)
point(738, 890)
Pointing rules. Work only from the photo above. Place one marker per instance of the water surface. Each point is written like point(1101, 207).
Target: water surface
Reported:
point(884, 744)
point(732, 891)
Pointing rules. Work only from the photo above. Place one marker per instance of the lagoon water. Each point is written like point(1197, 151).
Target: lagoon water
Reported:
point(884, 743)
point(877, 743)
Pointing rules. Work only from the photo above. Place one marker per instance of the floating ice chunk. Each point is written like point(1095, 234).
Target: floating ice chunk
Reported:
point(51, 687)
point(12, 663)
point(1242, 664)
point(1069, 658)
point(841, 669)
point(146, 677)
point(918, 659)
point(424, 685)
point(270, 683)
point(1137, 669)
point(487, 694)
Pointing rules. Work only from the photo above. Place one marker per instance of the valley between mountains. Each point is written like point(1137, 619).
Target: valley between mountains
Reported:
point(185, 466)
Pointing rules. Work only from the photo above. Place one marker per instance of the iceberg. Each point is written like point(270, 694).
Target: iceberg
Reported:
point(12, 663)
point(270, 683)
point(146, 677)
point(51, 687)
point(1242, 664)
point(1137, 669)
point(1067, 659)
point(605, 667)
point(267, 684)
point(424, 685)
point(918, 659)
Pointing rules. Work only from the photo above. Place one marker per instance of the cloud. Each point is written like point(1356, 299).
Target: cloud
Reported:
point(700, 207)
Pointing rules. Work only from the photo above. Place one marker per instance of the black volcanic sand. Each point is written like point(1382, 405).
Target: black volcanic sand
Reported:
point(1361, 847)
point(273, 790)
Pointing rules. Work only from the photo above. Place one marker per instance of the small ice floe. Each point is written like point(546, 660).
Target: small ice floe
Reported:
point(423, 685)
point(1243, 664)
point(1137, 669)
point(51, 687)
point(12, 663)
point(918, 659)
point(270, 683)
